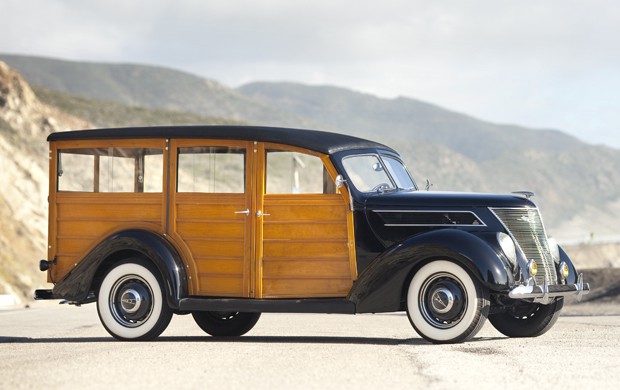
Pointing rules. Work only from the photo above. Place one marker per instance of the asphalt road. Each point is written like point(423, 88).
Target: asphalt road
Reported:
point(51, 346)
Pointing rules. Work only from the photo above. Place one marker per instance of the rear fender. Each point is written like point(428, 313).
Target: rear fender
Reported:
point(78, 283)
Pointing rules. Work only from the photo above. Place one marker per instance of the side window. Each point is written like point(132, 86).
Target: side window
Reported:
point(211, 169)
point(110, 170)
point(296, 173)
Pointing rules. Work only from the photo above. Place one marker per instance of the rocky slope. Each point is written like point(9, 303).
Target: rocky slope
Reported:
point(574, 182)
point(24, 125)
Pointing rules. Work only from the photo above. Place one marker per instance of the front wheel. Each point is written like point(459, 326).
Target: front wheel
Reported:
point(445, 304)
point(526, 319)
point(131, 302)
point(225, 324)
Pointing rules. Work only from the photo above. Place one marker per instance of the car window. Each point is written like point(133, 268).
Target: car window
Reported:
point(110, 170)
point(367, 173)
point(211, 169)
point(289, 172)
point(398, 171)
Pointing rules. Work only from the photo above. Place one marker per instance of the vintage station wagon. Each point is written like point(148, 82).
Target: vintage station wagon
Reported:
point(228, 222)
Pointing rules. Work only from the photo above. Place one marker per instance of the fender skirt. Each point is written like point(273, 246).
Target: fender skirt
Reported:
point(77, 285)
point(382, 285)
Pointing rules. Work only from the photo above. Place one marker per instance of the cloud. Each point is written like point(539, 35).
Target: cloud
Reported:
point(519, 61)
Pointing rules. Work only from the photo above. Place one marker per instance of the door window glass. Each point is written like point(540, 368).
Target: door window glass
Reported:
point(296, 173)
point(211, 169)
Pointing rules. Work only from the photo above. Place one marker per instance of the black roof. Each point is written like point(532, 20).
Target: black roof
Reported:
point(319, 141)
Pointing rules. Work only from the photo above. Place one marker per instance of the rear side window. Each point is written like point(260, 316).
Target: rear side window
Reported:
point(110, 170)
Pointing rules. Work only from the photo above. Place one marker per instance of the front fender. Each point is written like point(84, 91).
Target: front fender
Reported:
point(381, 286)
point(572, 271)
point(78, 282)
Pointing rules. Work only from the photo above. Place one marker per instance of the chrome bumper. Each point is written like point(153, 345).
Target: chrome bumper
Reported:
point(544, 294)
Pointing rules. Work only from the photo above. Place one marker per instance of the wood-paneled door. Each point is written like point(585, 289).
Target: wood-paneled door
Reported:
point(260, 220)
point(305, 245)
point(210, 218)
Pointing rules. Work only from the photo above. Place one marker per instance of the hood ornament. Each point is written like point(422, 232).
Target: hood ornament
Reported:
point(527, 194)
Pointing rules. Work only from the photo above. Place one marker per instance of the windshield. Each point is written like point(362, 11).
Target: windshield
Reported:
point(399, 172)
point(370, 173)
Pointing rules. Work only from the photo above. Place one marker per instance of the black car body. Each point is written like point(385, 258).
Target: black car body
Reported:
point(451, 260)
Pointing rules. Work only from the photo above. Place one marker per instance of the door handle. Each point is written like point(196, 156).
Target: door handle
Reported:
point(246, 212)
point(261, 214)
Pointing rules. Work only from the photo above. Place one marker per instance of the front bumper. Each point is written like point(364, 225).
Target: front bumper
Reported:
point(546, 293)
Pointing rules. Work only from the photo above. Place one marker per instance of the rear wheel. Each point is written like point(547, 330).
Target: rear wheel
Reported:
point(526, 319)
point(445, 304)
point(225, 324)
point(131, 302)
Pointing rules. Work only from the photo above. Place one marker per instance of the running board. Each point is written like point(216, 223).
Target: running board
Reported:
point(325, 306)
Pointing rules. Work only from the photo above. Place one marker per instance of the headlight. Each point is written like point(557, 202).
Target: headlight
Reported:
point(554, 248)
point(508, 246)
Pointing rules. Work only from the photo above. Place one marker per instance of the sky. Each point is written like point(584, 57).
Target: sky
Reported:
point(538, 63)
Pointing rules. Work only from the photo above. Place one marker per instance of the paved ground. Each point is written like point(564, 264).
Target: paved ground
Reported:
point(51, 346)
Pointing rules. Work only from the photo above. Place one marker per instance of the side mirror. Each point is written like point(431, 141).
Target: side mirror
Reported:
point(339, 182)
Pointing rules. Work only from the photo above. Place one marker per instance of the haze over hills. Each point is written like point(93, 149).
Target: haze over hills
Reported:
point(143, 85)
point(406, 118)
point(575, 182)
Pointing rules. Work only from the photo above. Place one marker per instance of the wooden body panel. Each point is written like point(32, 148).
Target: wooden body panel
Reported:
point(305, 248)
point(86, 219)
point(217, 239)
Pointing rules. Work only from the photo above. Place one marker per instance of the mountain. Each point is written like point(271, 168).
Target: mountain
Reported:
point(405, 118)
point(575, 182)
point(103, 113)
point(145, 86)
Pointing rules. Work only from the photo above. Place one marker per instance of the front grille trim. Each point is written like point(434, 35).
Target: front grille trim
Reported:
point(525, 226)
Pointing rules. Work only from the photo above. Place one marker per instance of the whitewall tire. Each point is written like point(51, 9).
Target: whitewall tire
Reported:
point(445, 304)
point(131, 303)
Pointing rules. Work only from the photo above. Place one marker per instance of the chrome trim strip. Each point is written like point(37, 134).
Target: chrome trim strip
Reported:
point(429, 225)
point(481, 224)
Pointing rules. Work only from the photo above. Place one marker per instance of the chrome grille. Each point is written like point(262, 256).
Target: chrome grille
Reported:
point(526, 227)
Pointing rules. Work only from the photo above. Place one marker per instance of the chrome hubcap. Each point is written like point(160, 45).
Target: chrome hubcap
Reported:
point(442, 300)
point(131, 301)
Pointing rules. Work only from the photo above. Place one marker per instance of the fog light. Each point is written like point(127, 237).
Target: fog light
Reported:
point(564, 270)
point(532, 267)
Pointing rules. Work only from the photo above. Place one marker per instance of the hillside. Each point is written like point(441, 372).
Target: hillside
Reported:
point(406, 118)
point(145, 86)
point(574, 182)
point(111, 114)
point(587, 202)
point(24, 125)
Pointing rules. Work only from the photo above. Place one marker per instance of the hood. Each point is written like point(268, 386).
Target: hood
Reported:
point(439, 199)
